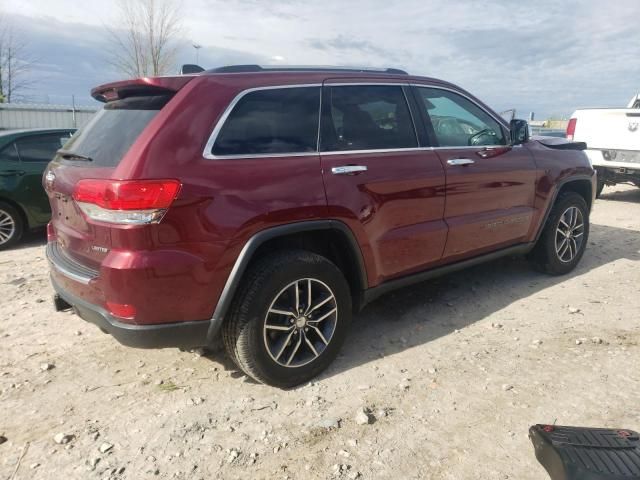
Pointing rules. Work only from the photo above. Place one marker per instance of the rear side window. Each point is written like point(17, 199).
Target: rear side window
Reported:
point(458, 122)
point(271, 121)
point(112, 131)
point(366, 117)
point(40, 148)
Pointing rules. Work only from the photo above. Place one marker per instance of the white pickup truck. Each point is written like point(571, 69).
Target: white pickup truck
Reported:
point(612, 136)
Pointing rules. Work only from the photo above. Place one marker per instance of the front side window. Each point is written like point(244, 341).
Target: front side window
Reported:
point(458, 122)
point(271, 121)
point(366, 117)
point(40, 148)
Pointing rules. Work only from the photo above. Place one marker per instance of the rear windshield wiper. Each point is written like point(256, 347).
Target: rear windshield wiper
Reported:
point(67, 154)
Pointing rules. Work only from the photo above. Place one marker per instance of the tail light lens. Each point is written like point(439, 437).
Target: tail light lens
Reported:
point(571, 128)
point(126, 201)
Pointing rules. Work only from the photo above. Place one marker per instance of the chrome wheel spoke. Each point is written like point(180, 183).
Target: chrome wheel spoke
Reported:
point(564, 250)
point(308, 342)
point(315, 321)
point(284, 346)
point(309, 299)
point(575, 247)
point(281, 312)
point(281, 328)
point(297, 291)
point(317, 330)
point(295, 350)
point(323, 302)
point(559, 247)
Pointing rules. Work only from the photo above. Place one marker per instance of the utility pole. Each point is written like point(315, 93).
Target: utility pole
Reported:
point(73, 110)
point(197, 46)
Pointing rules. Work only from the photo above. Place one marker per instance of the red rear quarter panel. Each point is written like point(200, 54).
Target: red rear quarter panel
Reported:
point(185, 260)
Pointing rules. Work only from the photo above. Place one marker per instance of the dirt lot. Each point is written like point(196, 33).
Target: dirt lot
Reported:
point(454, 372)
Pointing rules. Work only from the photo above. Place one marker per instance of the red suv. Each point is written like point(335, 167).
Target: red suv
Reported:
point(266, 206)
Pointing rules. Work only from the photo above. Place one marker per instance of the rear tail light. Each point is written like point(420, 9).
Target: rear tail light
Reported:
point(125, 201)
point(571, 128)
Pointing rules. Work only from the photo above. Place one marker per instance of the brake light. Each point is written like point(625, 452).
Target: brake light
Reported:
point(571, 128)
point(125, 201)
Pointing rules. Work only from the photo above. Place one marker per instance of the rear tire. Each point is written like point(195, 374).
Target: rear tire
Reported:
point(283, 338)
point(565, 236)
point(599, 187)
point(11, 226)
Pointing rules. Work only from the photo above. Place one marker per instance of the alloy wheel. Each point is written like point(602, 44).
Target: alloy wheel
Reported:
point(300, 322)
point(7, 227)
point(569, 234)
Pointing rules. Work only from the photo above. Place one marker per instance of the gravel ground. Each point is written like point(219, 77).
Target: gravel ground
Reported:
point(451, 373)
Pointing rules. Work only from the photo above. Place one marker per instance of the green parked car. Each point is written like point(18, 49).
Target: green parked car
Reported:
point(24, 154)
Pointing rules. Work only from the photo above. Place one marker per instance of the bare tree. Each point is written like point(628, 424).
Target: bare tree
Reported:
point(145, 37)
point(15, 63)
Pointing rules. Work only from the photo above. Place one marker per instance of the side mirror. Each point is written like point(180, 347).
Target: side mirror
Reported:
point(519, 131)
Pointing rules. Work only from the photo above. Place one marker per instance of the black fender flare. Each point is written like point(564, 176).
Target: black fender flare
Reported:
point(554, 197)
point(252, 245)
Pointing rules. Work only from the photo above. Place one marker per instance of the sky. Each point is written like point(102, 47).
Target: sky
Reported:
point(545, 56)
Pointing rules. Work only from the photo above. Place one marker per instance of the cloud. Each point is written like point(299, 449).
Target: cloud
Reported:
point(549, 57)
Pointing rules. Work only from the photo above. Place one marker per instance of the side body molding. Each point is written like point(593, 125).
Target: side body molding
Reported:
point(231, 286)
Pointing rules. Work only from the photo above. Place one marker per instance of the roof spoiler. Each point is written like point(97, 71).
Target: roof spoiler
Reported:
point(139, 87)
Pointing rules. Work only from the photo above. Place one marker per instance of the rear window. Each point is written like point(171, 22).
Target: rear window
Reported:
point(112, 131)
point(271, 121)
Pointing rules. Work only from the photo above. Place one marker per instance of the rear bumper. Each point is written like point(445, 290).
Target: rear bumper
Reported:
point(597, 160)
point(165, 335)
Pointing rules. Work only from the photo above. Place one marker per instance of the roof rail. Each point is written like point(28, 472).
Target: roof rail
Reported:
point(292, 68)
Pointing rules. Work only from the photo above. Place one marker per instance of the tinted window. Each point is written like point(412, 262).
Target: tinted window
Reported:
point(283, 120)
point(366, 117)
point(9, 153)
point(40, 148)
point(112, 130)
point(458, 122)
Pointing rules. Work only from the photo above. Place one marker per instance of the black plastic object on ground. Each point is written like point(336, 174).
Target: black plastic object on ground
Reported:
point(577, 453)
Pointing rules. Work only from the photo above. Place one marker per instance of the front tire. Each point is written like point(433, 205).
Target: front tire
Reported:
point(289, 318)
point(11, 226)
point(564, 238)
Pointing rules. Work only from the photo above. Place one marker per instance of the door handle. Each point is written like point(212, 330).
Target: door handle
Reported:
point(460, 161)
point(12, 173)
point(349, 170)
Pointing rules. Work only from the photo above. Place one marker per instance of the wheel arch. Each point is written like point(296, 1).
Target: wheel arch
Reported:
point(330, 238)
point(582, 184)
